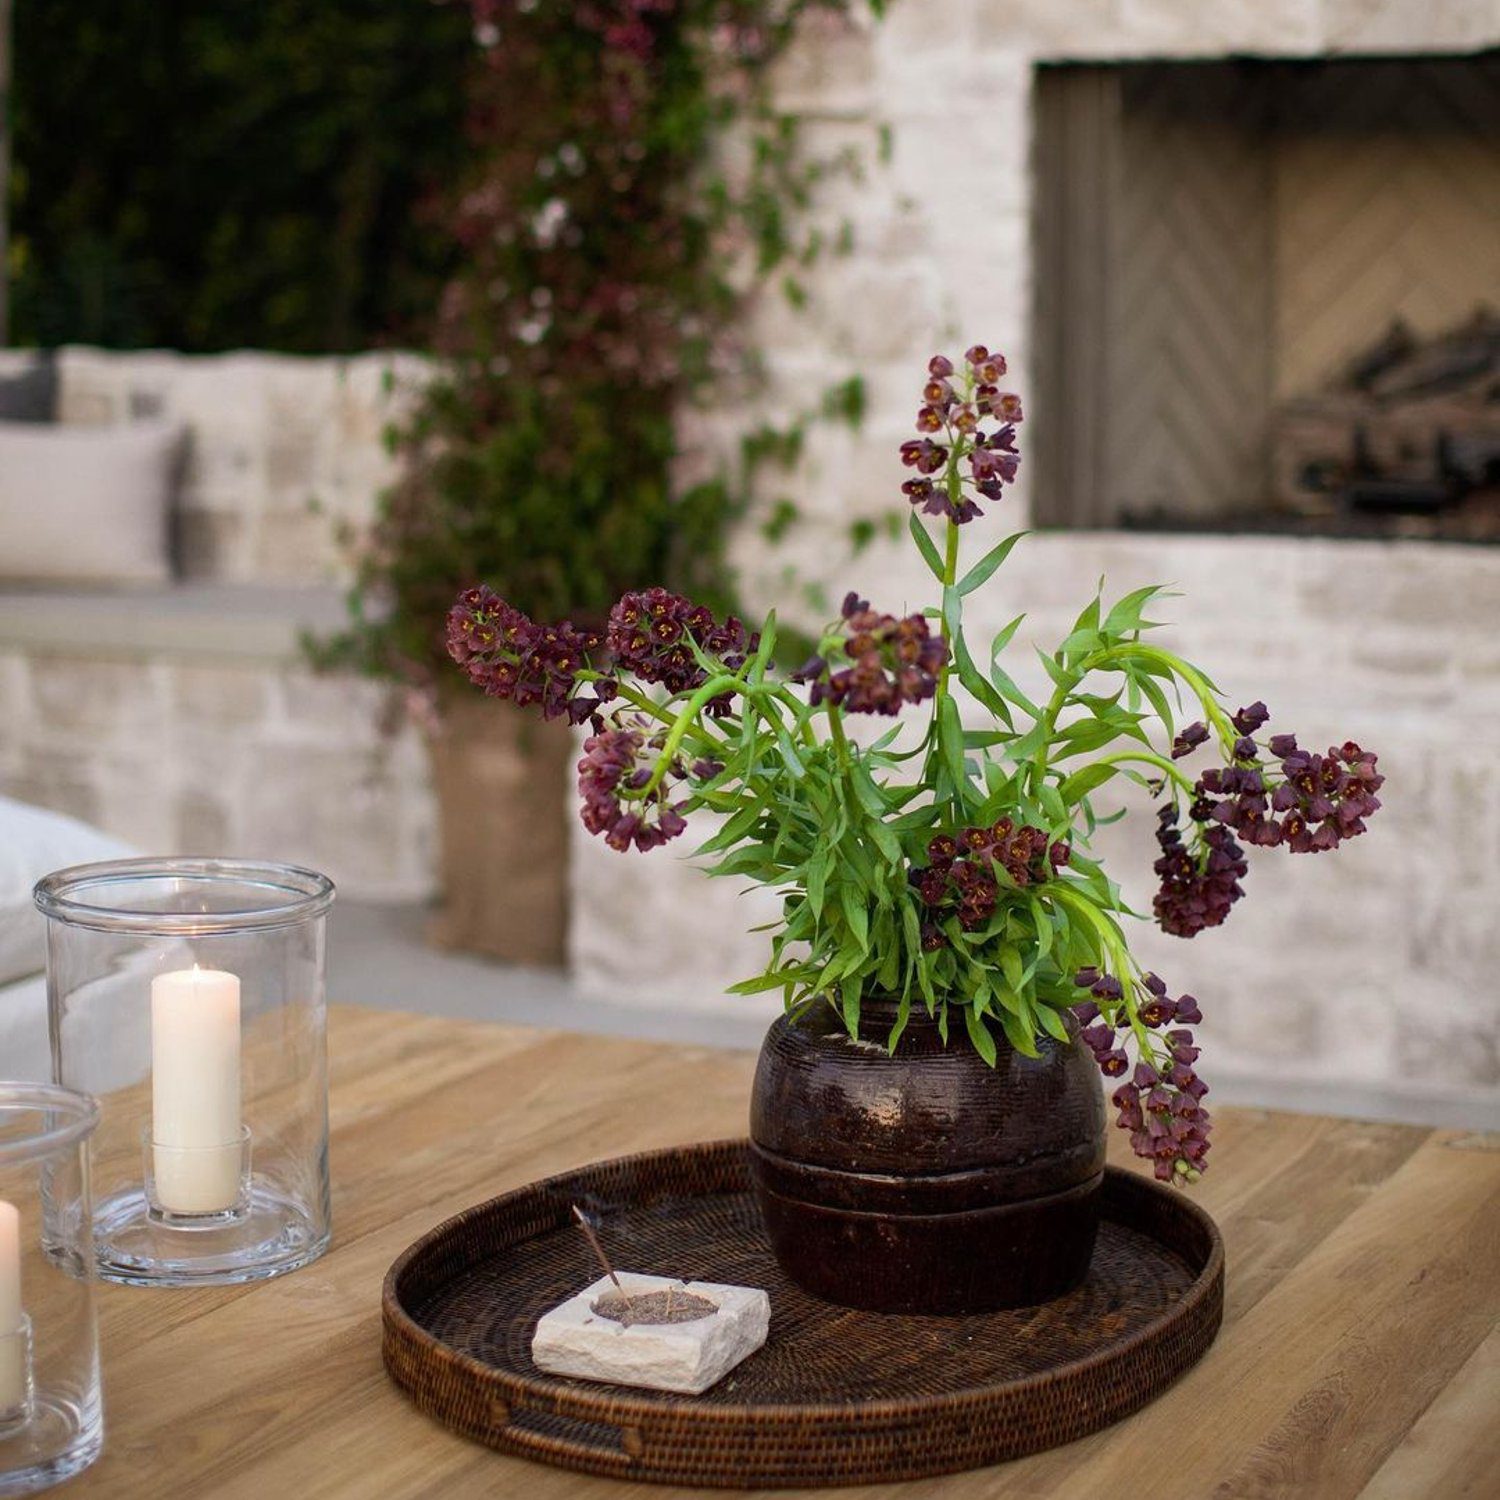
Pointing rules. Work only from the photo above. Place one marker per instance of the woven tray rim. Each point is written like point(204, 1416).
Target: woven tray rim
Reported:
point(577, 1399)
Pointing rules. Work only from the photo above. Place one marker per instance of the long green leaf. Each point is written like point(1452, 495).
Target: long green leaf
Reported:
point(1019, 1035)
point(763, 651)
point(1052, 1022)
point(977, 684)
point(1007, 685)
point(979, 1034)
point(925, 544)
point(886, 841)
point(856, 915)
point(817, 878)
point(1157, 698)
point(1081, 783)
point(981, 572)
point(850, 988)
point(1010, 966)
point(1003, 638)
point(1059, 674)
point(951, 742)
point(1125, 616)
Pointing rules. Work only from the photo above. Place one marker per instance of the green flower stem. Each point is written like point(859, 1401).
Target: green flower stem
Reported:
point(798, 709)
point(950, 577)
point(699, 731)
point(836, 733)
point(1055, 705)
point(1146, 757)
point(687, 720)
point(950, 546)
point(1212, 709)
point(642, 702)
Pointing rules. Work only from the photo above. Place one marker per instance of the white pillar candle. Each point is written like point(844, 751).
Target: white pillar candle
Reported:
point(12, 1349)
point(195, 1090)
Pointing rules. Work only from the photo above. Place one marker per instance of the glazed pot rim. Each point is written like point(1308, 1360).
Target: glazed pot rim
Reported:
point(958, 1178)
point(883, 1006)
point(925, 1179)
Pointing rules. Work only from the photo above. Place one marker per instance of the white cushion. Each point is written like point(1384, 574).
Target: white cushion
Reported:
point(86, 504)
point(25, 1048)
point(33, 843)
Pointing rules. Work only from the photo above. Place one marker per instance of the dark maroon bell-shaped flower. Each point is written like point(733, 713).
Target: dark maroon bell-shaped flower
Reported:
point(1160, 1106)
point(1188, 739)
point(957, 414)
point(963, 875)
point(652, 632)
point(892, 662)
point(1325, 799)
point(1199, 882)
point(508, 655)
point(611, 767)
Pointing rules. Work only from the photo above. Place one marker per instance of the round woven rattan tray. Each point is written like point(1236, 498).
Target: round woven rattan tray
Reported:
point(835, 1396)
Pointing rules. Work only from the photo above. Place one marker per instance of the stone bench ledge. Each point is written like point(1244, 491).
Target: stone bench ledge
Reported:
point(249, 622)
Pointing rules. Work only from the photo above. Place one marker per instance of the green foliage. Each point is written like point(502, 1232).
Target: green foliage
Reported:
point(604, 228)
point(204, 176)
point(836, 827)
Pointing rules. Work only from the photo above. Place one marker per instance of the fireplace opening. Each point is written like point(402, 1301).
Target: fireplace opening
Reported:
point(1268, 296)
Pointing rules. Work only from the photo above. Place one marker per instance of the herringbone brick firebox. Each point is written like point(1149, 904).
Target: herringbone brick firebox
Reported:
point(1241, 268)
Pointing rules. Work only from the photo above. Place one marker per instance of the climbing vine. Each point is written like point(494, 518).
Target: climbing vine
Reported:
point(632, 184)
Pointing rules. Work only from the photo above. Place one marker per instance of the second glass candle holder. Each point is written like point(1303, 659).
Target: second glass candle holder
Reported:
point(187, 995)
point(51, 1408)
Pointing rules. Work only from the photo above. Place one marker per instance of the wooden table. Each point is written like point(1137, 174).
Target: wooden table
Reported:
point(1359, 1354)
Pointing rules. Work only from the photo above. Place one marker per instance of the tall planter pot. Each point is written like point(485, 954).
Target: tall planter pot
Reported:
point(925, 1181)
point(501, 778)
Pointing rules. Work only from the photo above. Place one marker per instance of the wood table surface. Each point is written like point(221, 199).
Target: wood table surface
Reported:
point(1359, 1356)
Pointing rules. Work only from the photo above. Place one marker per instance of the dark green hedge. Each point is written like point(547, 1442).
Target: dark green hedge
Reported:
point(215, 174)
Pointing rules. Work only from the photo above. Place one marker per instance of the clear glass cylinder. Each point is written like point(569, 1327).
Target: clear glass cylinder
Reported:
point(51, 1410)
point(187, 996)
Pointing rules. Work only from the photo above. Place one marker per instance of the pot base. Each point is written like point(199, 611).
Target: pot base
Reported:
point(1014, 1254)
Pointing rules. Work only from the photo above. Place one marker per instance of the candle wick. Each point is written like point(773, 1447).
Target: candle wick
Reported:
point(594, 1244)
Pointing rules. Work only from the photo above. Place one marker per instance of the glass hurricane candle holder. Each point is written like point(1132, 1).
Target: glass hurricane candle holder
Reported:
point(51, 1413)
point(187, 995)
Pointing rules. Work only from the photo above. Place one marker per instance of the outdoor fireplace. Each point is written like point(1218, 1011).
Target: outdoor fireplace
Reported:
point(1268, 296)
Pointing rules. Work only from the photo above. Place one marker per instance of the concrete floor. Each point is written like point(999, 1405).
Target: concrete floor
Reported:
point(378, 956)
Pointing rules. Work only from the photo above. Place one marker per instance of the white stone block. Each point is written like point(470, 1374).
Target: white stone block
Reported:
point(1168, 28)
point(1415, 26)
point(574, 1340)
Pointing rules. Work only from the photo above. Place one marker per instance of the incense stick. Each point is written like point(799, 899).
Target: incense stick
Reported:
point(598, 1249)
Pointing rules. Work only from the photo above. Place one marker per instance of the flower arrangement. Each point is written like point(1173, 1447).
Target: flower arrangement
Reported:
point(951, 872)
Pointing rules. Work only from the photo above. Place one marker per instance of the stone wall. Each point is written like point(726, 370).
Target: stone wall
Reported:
point(182, 719)
point(1362, 982)
point(943, 230)
point(201, 755)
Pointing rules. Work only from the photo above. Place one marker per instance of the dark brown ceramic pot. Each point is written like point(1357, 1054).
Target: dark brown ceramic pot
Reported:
point(925, 1181)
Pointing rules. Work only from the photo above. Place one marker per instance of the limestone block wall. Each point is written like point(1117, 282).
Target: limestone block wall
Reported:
point(184, 754)
point(183, 720)
point(942, 244)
